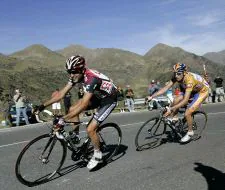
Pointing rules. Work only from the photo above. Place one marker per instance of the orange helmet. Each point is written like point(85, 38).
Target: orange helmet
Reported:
point(179, 67)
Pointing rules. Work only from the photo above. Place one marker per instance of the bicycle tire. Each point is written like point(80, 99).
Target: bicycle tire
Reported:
point(22, 177)
point(198, 126)
point(108, 148)
point(148, 133)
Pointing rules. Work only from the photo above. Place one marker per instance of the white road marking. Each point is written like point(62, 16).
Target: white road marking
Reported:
point(13, 144)
point(125, 125)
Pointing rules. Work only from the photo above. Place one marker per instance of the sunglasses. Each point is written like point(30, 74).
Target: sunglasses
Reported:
point(178, 73)
point(74, 72)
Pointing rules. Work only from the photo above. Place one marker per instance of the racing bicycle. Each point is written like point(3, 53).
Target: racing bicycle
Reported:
point(159, 129)
point(44, 156)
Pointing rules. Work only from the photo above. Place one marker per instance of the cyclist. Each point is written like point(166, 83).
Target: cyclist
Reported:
point(193, 88)
point(99, 92)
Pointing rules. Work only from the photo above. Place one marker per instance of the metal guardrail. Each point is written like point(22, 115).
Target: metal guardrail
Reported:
point(141, 101)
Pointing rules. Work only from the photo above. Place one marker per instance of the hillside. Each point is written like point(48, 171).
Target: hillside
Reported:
point(218, 57)
point(38, 70)
point(122, 66)
point(38, 56)
point(161, 58)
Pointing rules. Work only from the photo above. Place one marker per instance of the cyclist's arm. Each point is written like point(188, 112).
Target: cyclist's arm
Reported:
point(81, 105)
point(59, 95)
point(163, 90)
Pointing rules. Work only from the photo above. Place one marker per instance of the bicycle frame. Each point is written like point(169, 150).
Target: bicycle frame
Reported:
point(177, 130)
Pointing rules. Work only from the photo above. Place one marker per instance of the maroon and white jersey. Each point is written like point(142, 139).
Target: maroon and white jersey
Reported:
point(98, 84)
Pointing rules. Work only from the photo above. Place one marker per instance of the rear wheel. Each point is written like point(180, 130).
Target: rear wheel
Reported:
point(200, 119)
point(110, 136)
point(40, 160)
point(150, 134)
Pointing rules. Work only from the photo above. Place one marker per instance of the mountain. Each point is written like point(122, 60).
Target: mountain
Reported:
point(162, 57)
point(39, 56)
point(75, 50)
point(113, 62)
point(38, 70)
point(218, 57)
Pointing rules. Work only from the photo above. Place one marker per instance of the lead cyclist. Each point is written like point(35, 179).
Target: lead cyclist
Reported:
point(193, 87)
point(99, 92)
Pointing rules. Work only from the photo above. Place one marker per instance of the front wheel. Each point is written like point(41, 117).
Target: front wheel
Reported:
point(40, 160)
point(150, 134)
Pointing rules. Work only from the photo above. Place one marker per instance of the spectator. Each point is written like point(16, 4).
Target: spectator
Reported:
point(129, 98)
point(219, 89)
point(80, 96)
point(80, 93)
point(67, 102)
point(20, 107)
point(209, 99)
point(56, 107)
point(120, 99)
point(177, 91)
point(152, 88)
point(213, 96)
point(169, 94)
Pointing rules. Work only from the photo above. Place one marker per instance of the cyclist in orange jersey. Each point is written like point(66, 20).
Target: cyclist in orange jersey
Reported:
point(194, 90)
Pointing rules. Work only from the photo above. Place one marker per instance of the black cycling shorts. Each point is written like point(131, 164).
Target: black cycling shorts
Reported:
point(104, 107)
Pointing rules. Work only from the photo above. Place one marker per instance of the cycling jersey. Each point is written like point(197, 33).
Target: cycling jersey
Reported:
point(198, 87)
point(99, 84)
point(192, 83)
point(104, 91)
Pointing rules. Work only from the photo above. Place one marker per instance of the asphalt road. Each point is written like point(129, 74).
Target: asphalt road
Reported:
point(199, 165)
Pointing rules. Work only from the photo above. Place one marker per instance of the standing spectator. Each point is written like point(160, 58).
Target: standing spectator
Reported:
point(219, 89)
point(177, 91)
point(152, 88)
point(129, 98)
point(169, 94)
point(67, 102)
point(120, 99)
point(56, 107)
point(209, 98)
point(213, 96)
point(80, 96)
point(80, 93)
point(20, 107)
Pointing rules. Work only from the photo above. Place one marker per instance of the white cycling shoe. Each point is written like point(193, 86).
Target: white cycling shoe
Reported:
point(187, 137)
point(96, 158)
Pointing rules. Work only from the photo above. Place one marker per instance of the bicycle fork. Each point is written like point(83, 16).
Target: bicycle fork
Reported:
point(51, 142)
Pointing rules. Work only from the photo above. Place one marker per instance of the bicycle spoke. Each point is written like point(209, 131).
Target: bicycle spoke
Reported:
point(199, 123)
point(40, 162)
point(150, 134)
point(110, 139)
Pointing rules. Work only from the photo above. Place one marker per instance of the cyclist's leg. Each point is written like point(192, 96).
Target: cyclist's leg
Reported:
point(176, 100)
point(106, 107)
point(102, 113)
point(198, 98)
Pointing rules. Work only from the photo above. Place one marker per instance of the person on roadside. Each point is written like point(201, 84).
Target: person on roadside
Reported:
point(19, 101)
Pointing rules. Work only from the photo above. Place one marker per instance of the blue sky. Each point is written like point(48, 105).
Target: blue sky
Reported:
point(197, 26)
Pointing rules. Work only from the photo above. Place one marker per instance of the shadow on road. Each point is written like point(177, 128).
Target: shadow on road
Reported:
point(214, 177)
point(80, 164)
point(121, 152)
